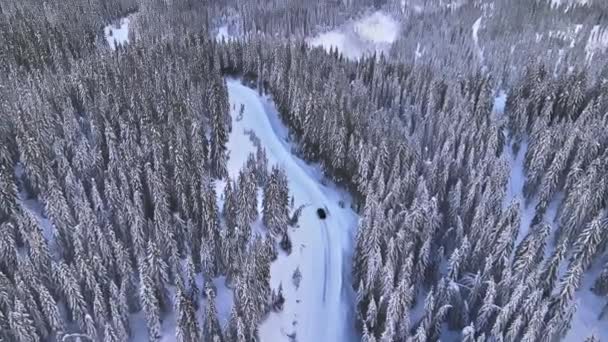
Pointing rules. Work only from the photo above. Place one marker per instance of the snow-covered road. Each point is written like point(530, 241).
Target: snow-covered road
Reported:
point(320, 309)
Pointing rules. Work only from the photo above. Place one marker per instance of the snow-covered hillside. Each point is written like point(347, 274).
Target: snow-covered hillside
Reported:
point(375, 32)
point(319, 309)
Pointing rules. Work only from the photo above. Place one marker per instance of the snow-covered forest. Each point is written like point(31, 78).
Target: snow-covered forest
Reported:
point(287, 170)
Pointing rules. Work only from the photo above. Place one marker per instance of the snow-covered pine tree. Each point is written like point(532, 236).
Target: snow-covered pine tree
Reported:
point(219, 137)
point(246, 199)
point(535, 327)
point(211, 326)
point(187, 324)
point(51, 311)
point(192, 290)
point(276, 203)
point(261, 169)
point(21, 325)
point(151, 307)
point(468, 333)
point(568, 285)
point(551, 267)
point(211, 227)
point(119, 312)
point(90, 328)
point(155, 269)
point(488, 308)
point(589, 241)
point(71, 291)
point(530, 251)
point(109, 334)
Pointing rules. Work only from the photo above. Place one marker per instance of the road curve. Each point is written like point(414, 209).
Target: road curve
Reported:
point(319, 309)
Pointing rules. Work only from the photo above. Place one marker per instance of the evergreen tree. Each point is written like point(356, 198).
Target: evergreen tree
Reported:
point(211, 325)
point(151, 308)
point(219, 137)
point(187, 324)
point(276, 203)
point(21, 324)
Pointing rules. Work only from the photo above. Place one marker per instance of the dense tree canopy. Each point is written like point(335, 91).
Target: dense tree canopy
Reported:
point(109, 162)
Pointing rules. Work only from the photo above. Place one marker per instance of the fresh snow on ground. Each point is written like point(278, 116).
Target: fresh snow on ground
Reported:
point(117, 34)
point(373, 33)
point(585, 321)
point(500, 101)
point(515, 186)
point(321, 308)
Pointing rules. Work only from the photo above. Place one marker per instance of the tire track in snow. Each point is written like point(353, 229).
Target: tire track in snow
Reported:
point(327, 260)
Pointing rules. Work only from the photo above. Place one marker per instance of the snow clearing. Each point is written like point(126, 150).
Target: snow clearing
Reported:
point(117, 34)
point(373, 33)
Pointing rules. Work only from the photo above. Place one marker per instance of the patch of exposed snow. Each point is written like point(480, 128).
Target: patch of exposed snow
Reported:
point(373, 33)
point(418, 9)
point(117, 34)
point(527, 208)
point(417, 312)
point(476, 26)
point(517, 176)
point(499, 103)
point(348, 46)
point(320, 309)
point(585, 321)
point(223, 34)
point(418, 53)
point(377, 28)
point(449, 335)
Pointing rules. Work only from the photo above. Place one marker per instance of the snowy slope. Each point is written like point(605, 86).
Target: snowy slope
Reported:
point(375, 32)
point(319, 310)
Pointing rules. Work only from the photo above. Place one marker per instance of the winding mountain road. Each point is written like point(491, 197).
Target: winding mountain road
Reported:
point(320, 309)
